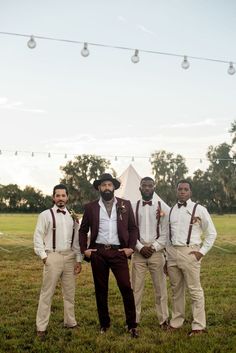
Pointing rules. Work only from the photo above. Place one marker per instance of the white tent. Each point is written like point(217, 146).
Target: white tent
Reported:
point(129, 188)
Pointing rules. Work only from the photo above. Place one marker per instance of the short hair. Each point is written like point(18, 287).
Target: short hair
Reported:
point(146, 178)
point(60, 186)
point(185, 181)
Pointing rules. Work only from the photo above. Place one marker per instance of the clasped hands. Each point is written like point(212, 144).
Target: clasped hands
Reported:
point(147, 251)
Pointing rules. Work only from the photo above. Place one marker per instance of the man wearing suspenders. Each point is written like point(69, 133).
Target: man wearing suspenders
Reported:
point(152, 220)
point(187, 221)
point(56, 243)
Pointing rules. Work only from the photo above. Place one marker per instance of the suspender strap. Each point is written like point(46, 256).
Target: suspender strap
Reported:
point(53, 230)
point(73, 234)
point(191, 224)
point(136, 216)
point(170, 235)
point(158, 219)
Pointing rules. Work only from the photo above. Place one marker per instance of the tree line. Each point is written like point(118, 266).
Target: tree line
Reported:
point(214, 188)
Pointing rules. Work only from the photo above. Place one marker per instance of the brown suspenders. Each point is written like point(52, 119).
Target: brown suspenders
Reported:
point(190, 225)
point(158, 219)
point(54, 231)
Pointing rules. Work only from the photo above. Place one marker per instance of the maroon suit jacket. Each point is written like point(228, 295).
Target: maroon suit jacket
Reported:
point(126, 227)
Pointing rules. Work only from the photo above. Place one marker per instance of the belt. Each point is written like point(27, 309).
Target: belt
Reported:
point(107, 246)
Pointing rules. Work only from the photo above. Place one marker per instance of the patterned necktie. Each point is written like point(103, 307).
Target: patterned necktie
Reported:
point(182, 204)
point(61, 211)
point(147, 203)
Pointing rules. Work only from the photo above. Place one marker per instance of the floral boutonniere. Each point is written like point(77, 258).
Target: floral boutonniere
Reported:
point(159, 213)
point(195, 219)
point(121, 209)
point(74, 215)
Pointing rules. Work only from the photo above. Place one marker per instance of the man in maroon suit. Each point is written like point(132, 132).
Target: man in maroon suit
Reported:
point(113, 239)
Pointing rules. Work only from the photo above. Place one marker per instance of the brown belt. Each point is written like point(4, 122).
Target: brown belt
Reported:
point(107, 246)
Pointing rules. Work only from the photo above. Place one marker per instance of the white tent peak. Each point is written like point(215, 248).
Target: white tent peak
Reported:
point(129, 188)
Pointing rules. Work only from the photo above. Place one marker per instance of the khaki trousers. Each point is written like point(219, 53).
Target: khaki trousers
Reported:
point(58, 265)
point(184, 271)
point(139, 267)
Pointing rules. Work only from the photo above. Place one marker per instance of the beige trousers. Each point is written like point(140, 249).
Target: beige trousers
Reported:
point(184, 271)
point(58, 265)
point(139, 267)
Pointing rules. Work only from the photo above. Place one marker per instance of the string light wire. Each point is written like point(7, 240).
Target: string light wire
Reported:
point(229, 62)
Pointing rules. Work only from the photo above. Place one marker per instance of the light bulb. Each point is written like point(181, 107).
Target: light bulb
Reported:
point(116, 158)
point(16, 153)
point(133, 159)
point(31, 43)
point(85, 51)
point(185, 63)
point(49, 155)
point(234, 161)
point(65, 156)
point(0, 151)
point(32, 154)
point(217, 161)
point(231, 69)
point(135, 57)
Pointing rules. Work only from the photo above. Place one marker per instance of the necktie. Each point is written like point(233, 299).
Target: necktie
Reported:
point(61, 211)
point(147, 203)
point(182, 204)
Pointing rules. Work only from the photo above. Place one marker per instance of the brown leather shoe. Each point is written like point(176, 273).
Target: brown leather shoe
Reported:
point(172, 329)
point(134, 332)
point(164, 326)
point(196, 332)
point(41, 335)
point(103, 330)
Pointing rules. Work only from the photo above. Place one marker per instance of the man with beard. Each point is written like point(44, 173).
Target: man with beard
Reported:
point(152, 219)
point(113, 239)
point(56, 243)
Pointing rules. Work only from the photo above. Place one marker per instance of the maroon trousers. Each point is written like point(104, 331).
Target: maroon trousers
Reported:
point(102, 261)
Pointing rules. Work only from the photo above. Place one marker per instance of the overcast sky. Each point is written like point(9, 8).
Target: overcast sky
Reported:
point(54, 100)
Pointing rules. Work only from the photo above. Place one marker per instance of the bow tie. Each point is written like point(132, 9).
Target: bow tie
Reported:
point(147, 203)
point(182, 204)
point(61, 211)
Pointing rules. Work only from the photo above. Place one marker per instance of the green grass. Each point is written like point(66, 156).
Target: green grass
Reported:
point(20, 282)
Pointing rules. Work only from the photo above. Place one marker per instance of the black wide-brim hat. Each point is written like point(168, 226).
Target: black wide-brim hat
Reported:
point(106, 177)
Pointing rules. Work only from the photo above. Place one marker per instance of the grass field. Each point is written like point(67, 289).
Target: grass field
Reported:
point(20, 282)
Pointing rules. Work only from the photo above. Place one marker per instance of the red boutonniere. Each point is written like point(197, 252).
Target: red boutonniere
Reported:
point(195, 219)
point(121, 209)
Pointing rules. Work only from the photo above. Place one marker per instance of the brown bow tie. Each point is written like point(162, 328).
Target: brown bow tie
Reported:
point(61, 211)
point(182, 204)
point(147, 203)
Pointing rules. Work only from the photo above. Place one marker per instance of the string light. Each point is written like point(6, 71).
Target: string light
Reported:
point(185, 63)
point(85, 51)
point(31, 43)
point(231, 69)
point(115, 157)
point(135, 58)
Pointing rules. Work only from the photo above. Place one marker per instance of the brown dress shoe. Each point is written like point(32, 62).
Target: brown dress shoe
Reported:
point(196, 332)
point(172, 329)
point(133, 332)
point(41, 335)
point(164, 326)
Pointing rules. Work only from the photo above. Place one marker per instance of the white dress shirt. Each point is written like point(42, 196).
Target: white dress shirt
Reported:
point(180, 220)
point(147, 222)
point(107, 231)
point(43, 234)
